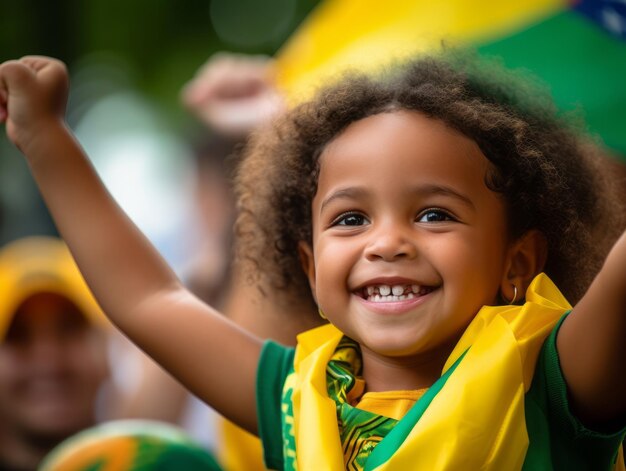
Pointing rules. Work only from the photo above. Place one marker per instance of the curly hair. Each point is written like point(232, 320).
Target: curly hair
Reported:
point(549, 173)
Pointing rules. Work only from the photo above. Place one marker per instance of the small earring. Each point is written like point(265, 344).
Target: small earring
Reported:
point(321, 313)
point(514, 294)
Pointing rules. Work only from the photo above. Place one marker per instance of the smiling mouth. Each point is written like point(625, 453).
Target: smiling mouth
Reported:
point(395, 293)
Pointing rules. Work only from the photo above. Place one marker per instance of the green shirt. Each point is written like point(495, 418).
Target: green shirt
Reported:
point(557, 439)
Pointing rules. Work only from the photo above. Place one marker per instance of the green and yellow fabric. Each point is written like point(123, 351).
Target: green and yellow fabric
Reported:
point(577, 47)
point(130, 445)
point(473, 417)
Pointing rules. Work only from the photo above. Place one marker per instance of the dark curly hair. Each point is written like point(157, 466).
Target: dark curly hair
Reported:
point(550, 174)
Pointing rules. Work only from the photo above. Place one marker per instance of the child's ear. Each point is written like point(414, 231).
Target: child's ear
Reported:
point(526, 259)
point(305, 252)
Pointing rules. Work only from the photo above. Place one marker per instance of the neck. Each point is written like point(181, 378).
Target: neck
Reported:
point(385, 373)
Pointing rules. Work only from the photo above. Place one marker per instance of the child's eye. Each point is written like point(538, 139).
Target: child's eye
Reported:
point(350, 219)
point(434, 215)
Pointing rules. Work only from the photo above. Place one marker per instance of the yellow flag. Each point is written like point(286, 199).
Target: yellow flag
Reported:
point(363, 34)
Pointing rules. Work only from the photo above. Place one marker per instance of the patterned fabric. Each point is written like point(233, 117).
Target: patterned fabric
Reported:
point(451, 426)
point(289, 434)
point(360, 430)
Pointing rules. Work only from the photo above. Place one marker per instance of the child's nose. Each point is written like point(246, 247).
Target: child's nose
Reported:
point(390, 245)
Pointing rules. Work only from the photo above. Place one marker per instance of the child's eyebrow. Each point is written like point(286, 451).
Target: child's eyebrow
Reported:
point(349, 192)
point(434, 189)
point(419, 191)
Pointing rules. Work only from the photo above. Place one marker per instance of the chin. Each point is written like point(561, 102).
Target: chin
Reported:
point(393, 346)
point(398, 351)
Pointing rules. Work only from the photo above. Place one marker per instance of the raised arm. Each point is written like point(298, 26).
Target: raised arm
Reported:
point(592, 346)
point(135, 287)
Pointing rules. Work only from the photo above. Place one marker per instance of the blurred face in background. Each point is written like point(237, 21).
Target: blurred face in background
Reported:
point(52, 364)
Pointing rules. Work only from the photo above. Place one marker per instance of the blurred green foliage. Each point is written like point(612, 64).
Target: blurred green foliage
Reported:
point(162, 42)
point(157, 46)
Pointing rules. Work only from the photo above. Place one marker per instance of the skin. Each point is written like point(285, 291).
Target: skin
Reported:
point(52, 365)
point(429, 224)
point(215, 358)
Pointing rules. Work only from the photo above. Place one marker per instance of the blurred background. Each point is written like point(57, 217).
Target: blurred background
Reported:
point(128, 61)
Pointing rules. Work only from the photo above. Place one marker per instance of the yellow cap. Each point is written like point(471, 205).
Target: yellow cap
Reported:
point(41, 264)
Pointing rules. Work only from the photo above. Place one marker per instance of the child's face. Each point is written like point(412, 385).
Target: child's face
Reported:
point(402, 206)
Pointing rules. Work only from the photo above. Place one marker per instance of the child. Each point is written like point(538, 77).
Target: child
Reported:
point(416, 207)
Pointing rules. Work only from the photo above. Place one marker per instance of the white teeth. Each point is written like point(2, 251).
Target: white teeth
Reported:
point(377, 298)
point(397, 290)
point(387, 293)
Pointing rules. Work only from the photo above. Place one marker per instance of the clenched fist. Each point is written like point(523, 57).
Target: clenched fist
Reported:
point(33, 94)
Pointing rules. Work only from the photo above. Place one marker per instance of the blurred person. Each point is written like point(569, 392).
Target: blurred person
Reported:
point(207, 272)
point(232, 94)
point(53, 355)
point(236, 95)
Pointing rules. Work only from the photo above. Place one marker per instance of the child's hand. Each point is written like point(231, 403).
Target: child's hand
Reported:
point(233, 94)
point(33, 92)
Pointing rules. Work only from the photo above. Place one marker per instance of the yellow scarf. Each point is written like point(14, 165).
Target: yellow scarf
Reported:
point(460, 429)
